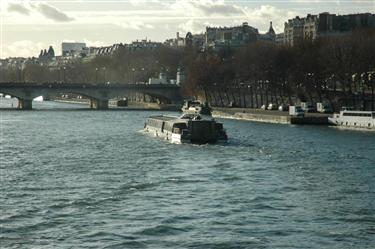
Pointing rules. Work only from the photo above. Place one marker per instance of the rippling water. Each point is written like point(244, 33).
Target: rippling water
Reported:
point(90, 179)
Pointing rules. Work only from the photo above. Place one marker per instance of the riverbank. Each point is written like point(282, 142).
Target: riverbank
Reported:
point(266, 116)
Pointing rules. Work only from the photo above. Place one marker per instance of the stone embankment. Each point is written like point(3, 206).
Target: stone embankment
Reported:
point(269, 116)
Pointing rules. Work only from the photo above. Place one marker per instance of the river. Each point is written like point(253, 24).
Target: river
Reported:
point(91, 179)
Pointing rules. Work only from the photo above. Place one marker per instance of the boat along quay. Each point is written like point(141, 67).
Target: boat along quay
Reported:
point(270, 116)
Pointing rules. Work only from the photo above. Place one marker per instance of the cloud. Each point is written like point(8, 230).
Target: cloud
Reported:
point(194, 26)
point(134, 24)
point(264, 14)
point(191, 26)
point(142, 2)
point(90, 43)
point(25, 48)
point(19, 8)
point(52, 13)
point(47, 10)
point(206, 7)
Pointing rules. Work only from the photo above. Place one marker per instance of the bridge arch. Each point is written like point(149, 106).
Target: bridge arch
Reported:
point(98, 94)
point(162, 99)
point(95, 101)
point(23, 103)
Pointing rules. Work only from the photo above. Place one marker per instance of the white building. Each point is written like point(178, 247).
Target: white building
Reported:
point(72, 47)
point(161, 80)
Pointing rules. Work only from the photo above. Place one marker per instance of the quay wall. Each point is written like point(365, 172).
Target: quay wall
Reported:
point(131, 104)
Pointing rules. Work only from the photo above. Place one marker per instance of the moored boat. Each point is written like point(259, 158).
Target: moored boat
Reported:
point(189, 128)
point(354, 119)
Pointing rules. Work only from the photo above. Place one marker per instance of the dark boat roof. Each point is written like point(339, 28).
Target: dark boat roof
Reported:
point(164, 118)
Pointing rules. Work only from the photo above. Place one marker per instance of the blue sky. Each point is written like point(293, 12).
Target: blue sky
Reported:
point(28, 26)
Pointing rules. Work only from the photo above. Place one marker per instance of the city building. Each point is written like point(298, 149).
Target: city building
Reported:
point(293, 30)
point(105, 50)
point(279, 39)
point(324, 24)
point(13, 62)
point(45, 57)
point(143, 45)
point(310, 27)
point(69, 48)
point(269, 36)
point(161, 80)
point(176, 42)
point(331, 23)
point(230, 36)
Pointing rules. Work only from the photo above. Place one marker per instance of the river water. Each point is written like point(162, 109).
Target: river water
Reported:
point(90, 179)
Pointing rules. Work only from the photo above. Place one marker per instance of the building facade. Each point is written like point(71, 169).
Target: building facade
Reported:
point(71, 47)
point(324, 24)
point(269, 36)
point(176, 42)
point(230, 36)
point(293, 30)
point(143, 45)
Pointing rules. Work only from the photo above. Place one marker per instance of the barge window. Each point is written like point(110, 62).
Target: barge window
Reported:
point(156, 123)
point(357, 114)
point(168, 126)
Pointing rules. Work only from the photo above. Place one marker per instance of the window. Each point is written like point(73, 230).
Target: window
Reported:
point(352, 114)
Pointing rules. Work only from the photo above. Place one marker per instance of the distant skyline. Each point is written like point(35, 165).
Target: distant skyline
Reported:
point(28, 26)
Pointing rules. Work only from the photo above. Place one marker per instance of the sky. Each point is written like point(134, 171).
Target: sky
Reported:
point(27, 26)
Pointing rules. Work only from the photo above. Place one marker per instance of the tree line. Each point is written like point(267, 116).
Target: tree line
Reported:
point(338, 70)
point(334, 69)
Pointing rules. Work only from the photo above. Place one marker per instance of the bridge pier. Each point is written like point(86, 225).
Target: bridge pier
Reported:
point(25, 104)
point(99, 104)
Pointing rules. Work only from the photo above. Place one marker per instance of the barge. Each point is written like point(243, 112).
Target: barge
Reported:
point(189, 128)
point(354, 119)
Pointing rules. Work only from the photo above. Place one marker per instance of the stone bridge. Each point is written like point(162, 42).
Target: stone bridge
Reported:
point(98, 94)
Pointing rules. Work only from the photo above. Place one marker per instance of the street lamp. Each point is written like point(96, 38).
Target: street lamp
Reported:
point(143, 73)
point(96, 75)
